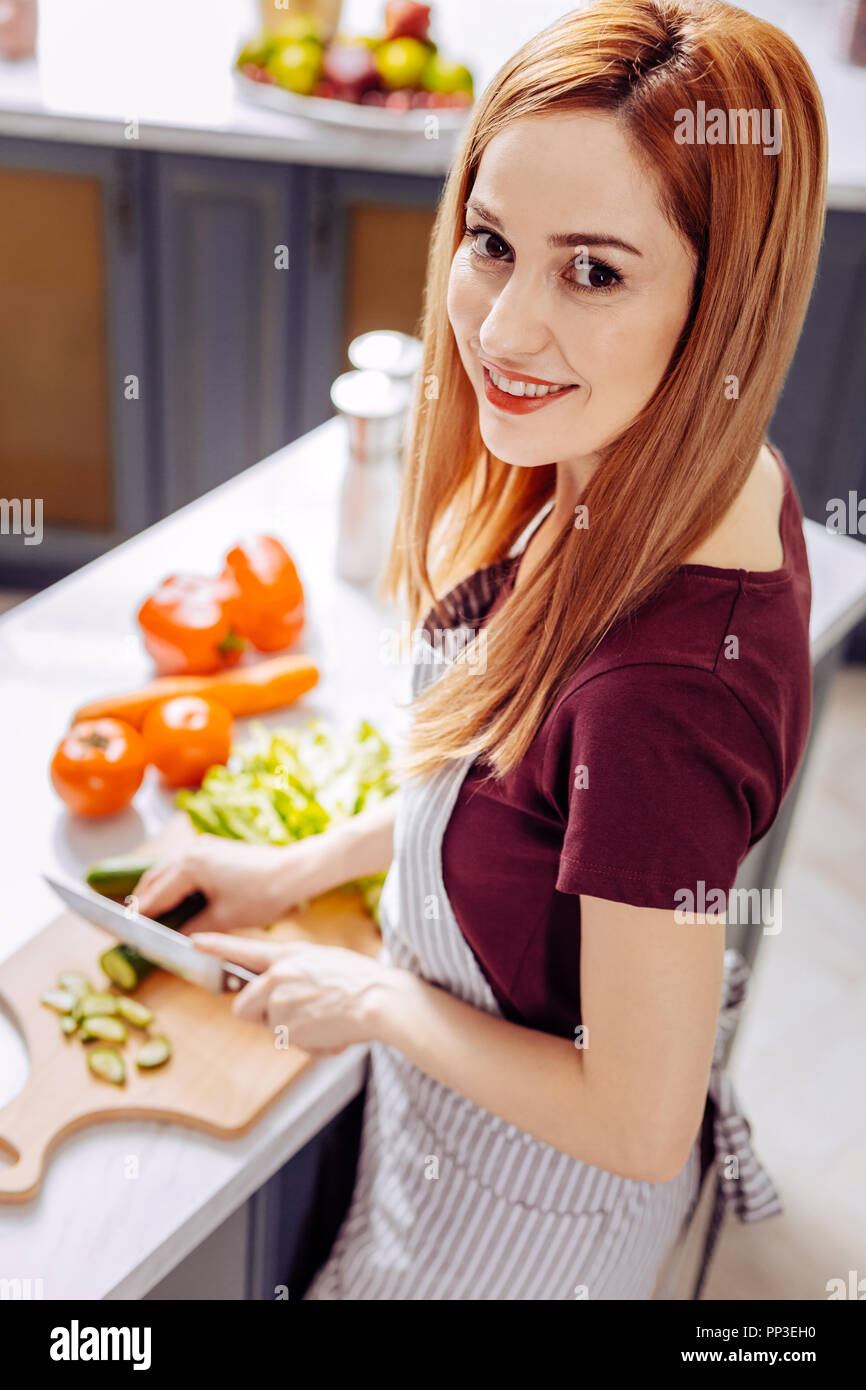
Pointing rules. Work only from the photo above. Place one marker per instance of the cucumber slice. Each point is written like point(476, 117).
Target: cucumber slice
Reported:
point(60, 1000)
point(135, 1013)
point(68, 1025)
point(94, 1003)
point(75, 982)
point(125, 967)
point(107, 1063)
point(103, 1027)
point(154, 1053)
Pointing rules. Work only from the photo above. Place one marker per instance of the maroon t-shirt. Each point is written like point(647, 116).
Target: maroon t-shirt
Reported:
point(663, 760)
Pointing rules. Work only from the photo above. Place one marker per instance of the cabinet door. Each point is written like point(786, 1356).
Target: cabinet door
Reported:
point(73, 438)
point(227, 258)
point(367, 239)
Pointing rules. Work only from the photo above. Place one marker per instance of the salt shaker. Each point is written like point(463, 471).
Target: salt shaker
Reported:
point(374, 406)
point(386, 350)
point(398, 354)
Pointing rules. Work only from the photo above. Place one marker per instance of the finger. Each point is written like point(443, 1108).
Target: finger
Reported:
point(255, 955)
point(176, 881)
point(252, 1002)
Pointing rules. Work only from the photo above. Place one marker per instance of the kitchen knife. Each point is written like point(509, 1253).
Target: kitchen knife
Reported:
point(164, 947)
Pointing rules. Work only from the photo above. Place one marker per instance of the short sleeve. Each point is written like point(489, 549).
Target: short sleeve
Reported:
point(663, 782)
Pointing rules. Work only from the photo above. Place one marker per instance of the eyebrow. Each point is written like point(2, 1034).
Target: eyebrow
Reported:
point(561, 238)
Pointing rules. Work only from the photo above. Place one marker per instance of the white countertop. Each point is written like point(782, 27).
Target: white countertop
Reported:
point(103, 62)
point(90, 1232)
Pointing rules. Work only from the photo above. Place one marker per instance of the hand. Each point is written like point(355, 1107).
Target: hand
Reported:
point(325, 996)
point(246, 885)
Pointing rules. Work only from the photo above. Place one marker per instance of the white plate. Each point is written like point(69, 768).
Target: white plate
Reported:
point(346, 113)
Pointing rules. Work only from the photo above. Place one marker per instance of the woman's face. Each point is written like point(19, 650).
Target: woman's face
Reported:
point(569, 275)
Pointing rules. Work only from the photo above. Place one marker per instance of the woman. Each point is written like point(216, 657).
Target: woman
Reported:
point(611, 310)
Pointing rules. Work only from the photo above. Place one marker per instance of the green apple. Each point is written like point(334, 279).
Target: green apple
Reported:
point(296, 66)
point(401, 62)
point(257, 51)
point(440, 75)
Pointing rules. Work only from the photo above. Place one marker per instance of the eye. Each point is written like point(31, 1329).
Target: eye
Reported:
point(590, 274)
point(486, 244)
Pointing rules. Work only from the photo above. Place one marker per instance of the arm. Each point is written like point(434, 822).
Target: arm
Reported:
point(630, 1102)
point(352, 849)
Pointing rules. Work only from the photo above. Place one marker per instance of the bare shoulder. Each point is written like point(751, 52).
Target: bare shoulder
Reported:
point(749, 536)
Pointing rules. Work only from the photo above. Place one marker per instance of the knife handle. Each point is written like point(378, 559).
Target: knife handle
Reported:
point(178, 916)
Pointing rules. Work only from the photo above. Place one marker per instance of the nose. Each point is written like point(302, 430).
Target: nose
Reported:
point(516, 328)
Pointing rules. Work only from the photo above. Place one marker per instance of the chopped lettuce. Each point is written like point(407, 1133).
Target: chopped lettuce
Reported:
point(291, 783)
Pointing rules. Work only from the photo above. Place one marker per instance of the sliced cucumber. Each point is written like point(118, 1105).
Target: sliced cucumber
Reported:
point(103, 1027)
point(60, 1000)
point(75, 982)
point(154, 1053)
point(107, 1063)
point(68, 1025)
point(98, 1002)
point(135, 1013)
point(125, 967)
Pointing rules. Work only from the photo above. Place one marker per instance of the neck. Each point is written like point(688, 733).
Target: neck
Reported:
point(572, 479)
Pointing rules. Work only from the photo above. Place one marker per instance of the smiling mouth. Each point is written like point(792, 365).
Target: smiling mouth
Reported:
point(520, 395)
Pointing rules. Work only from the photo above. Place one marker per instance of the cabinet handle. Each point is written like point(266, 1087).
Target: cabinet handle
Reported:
point(322, 213)
point(124, 207)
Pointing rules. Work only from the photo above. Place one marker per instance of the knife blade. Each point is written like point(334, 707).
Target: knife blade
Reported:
point(164, 947)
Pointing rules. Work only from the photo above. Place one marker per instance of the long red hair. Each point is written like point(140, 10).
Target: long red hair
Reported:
point(755, 222)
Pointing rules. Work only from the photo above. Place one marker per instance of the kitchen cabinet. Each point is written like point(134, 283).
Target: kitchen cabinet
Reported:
point(75, 419)
point(169, 319)
point(226, 241)
point(366, 255)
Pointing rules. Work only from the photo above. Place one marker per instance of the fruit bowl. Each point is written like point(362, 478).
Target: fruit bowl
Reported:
point(349, 114)
point(392, 81)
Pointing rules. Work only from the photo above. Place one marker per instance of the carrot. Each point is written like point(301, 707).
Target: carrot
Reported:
point(244, 690)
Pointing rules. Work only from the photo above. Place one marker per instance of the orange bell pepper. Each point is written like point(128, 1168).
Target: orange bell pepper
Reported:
point(271, 597)
point(191, 626)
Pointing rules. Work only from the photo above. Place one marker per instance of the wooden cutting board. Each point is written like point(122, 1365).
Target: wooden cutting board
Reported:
point(223, 1072)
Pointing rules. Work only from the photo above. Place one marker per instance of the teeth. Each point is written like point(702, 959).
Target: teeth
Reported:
point(521, 388)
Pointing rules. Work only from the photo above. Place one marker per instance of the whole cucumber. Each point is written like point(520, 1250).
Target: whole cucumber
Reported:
point(116, 878)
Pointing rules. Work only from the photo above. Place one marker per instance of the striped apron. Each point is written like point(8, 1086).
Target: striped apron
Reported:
point(450, 1201)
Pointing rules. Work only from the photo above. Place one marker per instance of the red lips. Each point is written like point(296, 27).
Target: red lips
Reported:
point(520, 405)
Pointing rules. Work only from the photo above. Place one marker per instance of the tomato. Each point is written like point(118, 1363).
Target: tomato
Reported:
point(185, 736)
point(98, 766)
